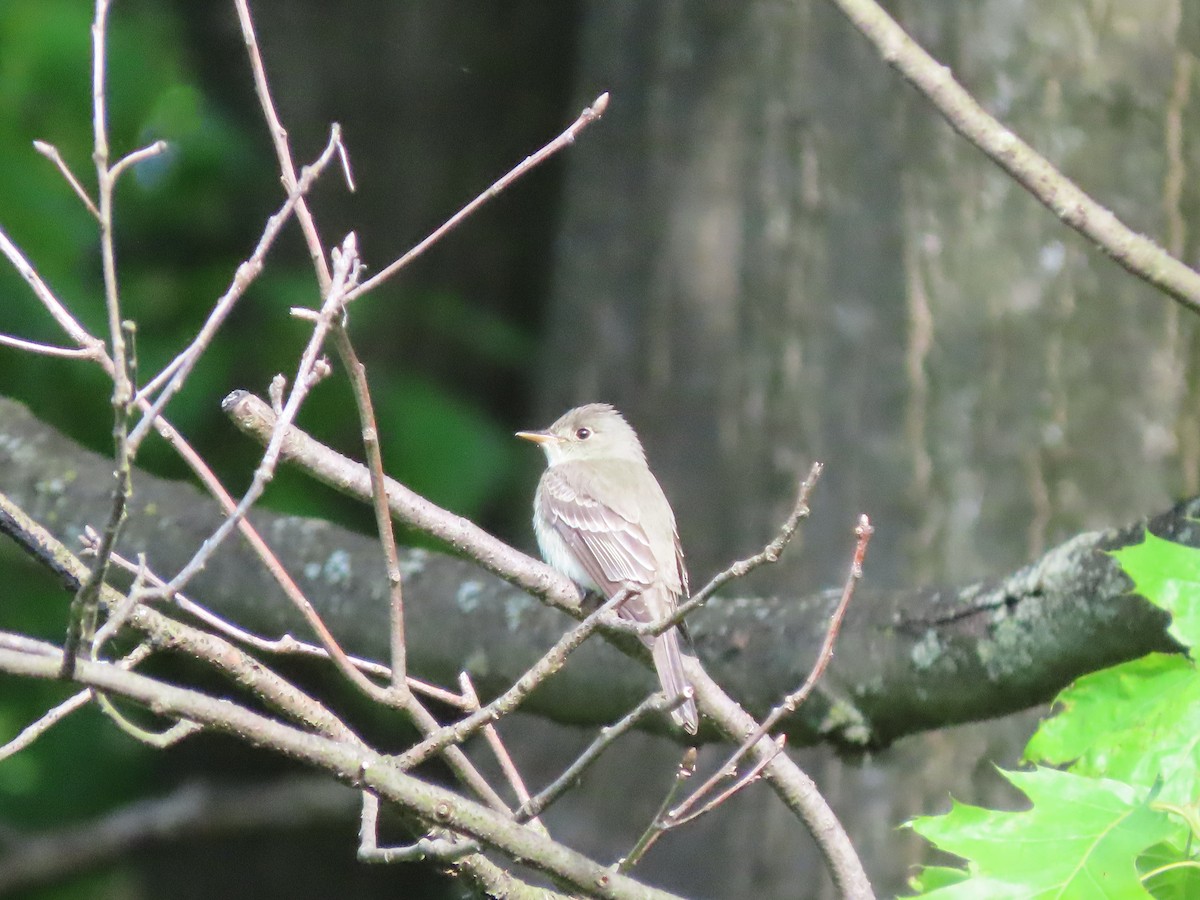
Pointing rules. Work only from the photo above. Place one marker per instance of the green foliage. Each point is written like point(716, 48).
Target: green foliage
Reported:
point(1081, 838)
point(1168, 575)
point(1123, 820)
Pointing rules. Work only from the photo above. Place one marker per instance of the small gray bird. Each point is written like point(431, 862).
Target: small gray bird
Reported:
point(603, 521)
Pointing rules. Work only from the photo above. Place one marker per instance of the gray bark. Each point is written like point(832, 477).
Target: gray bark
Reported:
point(774, 251)
point(906, 660)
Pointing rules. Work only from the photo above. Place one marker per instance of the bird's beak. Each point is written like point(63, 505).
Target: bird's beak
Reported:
point(538, 437)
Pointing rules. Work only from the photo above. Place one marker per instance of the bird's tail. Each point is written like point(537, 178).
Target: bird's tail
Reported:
point(668, 661)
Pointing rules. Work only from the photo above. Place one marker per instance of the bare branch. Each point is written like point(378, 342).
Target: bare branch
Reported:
point(357, 373)
point(35, 730)
point(743, 567)
point(1135, 252)
point(287, 168)
point(507, 766)
point(171, 378)
point(658, 824)
point(794, 699)
point(51, 153)
point(173, 734)
point(443, 849)
point(137, 156)
point(656, 704)
point(550, 663)
point(745, 780)
point(585, 118)
point(354, 764)
point(47, 349)
point(54, 306)
point(83, 606)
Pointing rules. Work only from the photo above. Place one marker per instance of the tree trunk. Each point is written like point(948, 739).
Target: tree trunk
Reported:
point(773, 250)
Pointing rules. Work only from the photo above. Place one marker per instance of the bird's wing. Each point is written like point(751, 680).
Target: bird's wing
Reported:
point(610, 544)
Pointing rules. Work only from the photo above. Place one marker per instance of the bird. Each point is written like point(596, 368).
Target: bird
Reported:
point(601, 518)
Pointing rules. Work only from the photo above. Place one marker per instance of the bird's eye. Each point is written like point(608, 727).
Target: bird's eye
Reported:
point(583, 434)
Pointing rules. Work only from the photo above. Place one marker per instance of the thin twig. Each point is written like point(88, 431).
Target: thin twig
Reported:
point(47, 349)
point(283, 152)
point(748, 778)
point(357, 374)
point(458, 761)
point(83, 606)
point(51, 153)
point(656, 704)
point(503, 757)
point(160, 740)
point(792, 701)
point(137, 156)
point(1135, 252)
point(171, 379)
point(551, 662)
point(585, 118)
point(769, 554)
point(686, 769)
point(32, 732)
point(432, 846)
point(54, 306)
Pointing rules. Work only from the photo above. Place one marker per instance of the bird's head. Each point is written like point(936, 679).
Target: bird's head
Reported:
point(594, 431)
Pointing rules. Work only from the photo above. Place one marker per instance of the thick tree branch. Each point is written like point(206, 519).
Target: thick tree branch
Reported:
point(907, 660)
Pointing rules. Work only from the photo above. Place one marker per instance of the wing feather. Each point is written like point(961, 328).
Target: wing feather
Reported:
point(613, 549)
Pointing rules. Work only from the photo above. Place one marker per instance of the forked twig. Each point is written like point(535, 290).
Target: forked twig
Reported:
point(520, 689)
point(656, 704)
point(432, 846)
point(503, 757)
point(789, 704)
point(658, 824)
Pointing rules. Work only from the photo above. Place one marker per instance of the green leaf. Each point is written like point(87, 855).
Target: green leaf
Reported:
point(1168, 575)
point(930, 878)
point(1175, 883)
point(1138, 722)
point(1081, 839)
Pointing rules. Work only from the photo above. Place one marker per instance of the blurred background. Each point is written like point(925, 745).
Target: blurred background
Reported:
point(769, 251)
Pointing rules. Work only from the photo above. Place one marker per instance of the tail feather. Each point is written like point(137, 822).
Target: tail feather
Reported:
point(668, 661)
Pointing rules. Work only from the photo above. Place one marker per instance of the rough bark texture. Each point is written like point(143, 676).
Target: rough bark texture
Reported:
point(906, 661)
point(774, 251)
